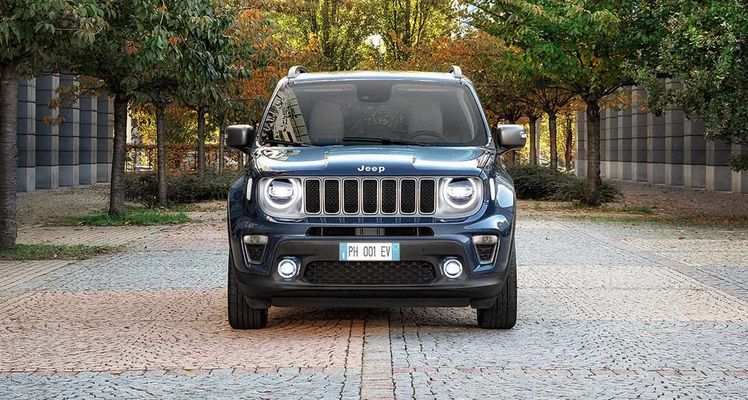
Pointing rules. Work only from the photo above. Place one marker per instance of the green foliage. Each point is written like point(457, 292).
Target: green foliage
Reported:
point(406, 26)
point(182, 188)
point(585, 46)
point(540, 183)
point(704, 45)
point(32, 31)
point(739, 162)
point(30, 252)
point(133, 216)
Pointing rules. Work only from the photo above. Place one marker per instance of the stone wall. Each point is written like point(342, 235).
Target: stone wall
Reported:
point(62, 141)
point(670, 149)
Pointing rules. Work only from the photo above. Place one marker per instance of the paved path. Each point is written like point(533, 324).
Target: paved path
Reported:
point(605, 311)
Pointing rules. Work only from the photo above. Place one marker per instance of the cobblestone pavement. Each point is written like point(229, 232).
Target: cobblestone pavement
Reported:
point(605, 311)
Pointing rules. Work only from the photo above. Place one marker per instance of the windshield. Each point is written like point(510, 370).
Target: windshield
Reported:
point(374, 112)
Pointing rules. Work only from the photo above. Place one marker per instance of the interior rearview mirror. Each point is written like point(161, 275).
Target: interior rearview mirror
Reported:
point(510, 137)
point(240, 137)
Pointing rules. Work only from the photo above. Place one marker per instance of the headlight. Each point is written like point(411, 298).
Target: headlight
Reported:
point(280, 197)
point(459, 197)
point(280, 190)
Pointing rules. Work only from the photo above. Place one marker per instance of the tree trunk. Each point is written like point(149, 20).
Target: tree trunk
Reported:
point(552, 131)
point(592, 196)
point(117, 189)
point(8, 155)
point(569, 148)
point(533, 140)
point(161, 152)
point(201, 140)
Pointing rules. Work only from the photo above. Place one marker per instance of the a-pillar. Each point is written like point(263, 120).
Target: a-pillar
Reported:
point(26, 136)
point(47, 132)
point(611, 148)
point(88, 138)
point(105, 135)
point(638, 135)
point(580, 163)
point(69, 131)
point(673, 140)
point(740, 179)
point(694, 154)
point(624, 138)
point(718, 172)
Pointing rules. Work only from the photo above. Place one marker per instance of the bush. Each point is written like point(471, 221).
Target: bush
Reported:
point(540, 183)
point(181, 188)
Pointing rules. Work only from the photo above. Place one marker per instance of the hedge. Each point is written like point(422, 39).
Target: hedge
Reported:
point(542, 183)
point(181, 188)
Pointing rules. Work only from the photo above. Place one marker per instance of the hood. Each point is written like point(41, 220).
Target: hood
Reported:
point(371, 160)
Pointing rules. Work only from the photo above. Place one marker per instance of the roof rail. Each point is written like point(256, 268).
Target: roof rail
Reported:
point(295, 71)
point(455, 71)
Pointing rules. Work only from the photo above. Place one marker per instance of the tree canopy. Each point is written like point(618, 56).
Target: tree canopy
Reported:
point(704, 44)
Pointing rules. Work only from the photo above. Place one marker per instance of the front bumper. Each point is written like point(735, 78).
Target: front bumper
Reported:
point(478, 286)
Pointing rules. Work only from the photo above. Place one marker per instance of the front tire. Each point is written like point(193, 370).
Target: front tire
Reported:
point(503, 313)
point(241, 315)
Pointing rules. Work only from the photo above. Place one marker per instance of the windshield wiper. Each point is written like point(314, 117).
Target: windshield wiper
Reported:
point(285, 142)
point(381, 140)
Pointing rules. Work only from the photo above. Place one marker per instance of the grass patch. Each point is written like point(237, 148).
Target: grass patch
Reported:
point(29, 252)
point(133, 216)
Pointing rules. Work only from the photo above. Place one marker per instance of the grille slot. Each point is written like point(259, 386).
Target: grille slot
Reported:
point(332, 196)
point(370, 196)
point(369, 272)
point(350, 196)
point(408, 196)
point(428, 196)
point(312, 196)
point(389, 196)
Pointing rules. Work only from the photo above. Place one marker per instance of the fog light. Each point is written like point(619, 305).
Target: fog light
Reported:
point(288, 268)
point(452, 268)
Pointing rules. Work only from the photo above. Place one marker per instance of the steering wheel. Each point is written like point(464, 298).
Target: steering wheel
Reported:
point(417, 136)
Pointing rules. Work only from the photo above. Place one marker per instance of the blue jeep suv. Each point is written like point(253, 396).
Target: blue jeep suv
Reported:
point(373, 189)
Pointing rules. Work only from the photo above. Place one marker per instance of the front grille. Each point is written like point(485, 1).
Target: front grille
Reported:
point(370, 196)
point(369, 272)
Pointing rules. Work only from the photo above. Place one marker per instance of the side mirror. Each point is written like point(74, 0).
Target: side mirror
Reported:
point(510, 137)
point(240, 137)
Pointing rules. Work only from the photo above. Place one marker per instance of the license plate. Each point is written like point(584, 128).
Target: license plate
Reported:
point(378, 251)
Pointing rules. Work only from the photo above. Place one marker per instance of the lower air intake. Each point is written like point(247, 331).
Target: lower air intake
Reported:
point(369, 272)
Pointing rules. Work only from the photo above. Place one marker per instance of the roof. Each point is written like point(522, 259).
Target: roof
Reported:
point(375, 75)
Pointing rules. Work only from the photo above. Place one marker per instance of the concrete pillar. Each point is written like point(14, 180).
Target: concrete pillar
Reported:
point(655, 148)
point(580, 163)
point(740, 179)
point(638, 135)
point(694, 154)
point(718, 172)
point(47, 132)
point(673, 140)
point(69, 131)
point(624, 138)
point(611, 150)
point(88, 140)
point(26, 136)
point(105, 136)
